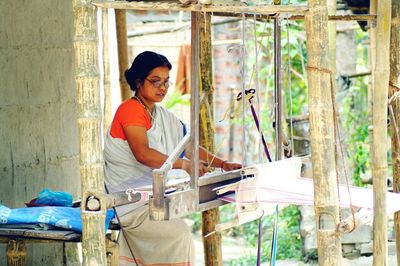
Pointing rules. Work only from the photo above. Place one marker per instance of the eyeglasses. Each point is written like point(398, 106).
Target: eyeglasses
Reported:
point(158, 83)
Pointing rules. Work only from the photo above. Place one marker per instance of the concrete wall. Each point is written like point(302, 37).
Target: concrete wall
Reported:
point(38, 129)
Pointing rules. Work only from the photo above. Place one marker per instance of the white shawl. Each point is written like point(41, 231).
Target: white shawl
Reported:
point(122, 170)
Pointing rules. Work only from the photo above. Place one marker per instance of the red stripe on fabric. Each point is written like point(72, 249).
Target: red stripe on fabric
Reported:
point(140, 262)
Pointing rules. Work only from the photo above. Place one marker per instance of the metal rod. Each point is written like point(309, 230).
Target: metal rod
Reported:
point(175, 154)
point(194, 98)
point(278, 89)
point(243, 70)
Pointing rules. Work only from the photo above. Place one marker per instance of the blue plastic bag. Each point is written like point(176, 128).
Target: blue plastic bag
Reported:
point(54, 198)
point(63, 217)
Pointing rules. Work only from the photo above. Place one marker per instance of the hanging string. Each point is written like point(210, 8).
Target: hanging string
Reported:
point(394, 97)
point(234, 108)
point(290, 87)
point(257, 88)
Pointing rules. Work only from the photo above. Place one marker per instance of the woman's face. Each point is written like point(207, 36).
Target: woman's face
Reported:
point(154, 86)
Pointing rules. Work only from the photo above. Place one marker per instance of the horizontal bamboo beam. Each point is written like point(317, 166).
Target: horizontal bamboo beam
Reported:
point(259, 17)
point(364, 17)
point(175, 6)
point(294, 12)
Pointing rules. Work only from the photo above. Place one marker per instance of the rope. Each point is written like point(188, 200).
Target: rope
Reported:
point(338, 143)
point(256, 85)
point(395, 96)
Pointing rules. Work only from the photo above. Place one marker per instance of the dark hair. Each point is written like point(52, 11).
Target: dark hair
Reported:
point(143, 64)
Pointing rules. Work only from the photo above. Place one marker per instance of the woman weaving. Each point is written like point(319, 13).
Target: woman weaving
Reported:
point(141, 137)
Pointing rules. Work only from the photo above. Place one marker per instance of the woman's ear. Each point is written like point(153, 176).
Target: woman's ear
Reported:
point(138, 83)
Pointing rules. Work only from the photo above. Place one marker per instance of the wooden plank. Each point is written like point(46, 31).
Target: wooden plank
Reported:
point(214, 8)
point(58, 235)
point(211, 204)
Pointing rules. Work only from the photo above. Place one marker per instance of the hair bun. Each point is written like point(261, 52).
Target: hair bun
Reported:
point(143, 64)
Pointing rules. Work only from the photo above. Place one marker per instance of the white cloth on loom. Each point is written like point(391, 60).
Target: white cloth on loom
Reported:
point(280, 182)
point(122, 172)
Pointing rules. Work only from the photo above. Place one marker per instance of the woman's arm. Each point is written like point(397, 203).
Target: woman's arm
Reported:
point(139, 145)
point(215, 161)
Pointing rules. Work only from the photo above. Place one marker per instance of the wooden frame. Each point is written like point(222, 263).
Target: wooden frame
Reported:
point(320, 69)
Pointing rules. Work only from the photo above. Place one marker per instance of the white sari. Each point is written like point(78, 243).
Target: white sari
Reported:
point(123, 171)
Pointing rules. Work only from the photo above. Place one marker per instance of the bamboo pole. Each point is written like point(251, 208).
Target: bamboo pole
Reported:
point(322, 135)
point(210, 218)
point(379, 134)
point(123, 59)
point(107, 114)
point(89, 125)
point(394, 87)
point(372, 52)
point(232, 6)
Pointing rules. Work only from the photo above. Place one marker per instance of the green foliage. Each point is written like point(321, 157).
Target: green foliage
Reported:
point(294, 75)
point(289, 240)
point(177, 98)
point(355, 117)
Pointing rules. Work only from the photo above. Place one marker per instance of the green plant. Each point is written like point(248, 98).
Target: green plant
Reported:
point(354, 116)
point(289, 240)
point(177, 98)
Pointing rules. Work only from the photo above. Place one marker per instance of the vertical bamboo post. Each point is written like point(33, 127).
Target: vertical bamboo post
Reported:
point(379, 134)
point(394, 81)
point(394, 87)
point(211, 244)
point(322, 135)
point(372, 55)
point(123, 60)
point(89, 126)
point(107, 114)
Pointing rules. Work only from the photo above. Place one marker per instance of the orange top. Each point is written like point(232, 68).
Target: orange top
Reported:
point(129, 113)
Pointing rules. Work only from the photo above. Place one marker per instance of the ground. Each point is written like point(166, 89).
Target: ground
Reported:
point(234, 249)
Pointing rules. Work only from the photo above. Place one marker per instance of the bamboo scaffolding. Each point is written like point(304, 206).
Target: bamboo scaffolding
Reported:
point(89, 125)
point(210, 218)
point(322, 135)
point(379, 134)
point(394, 107)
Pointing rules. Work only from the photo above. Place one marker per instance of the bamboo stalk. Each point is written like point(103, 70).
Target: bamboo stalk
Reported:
point(89, 125)
point(379, 134)
point(107, 114)
point(372, 53)
point(210, 218)
point(394, 87)
point(123, 60)
point(233, 7)
point(322, 135)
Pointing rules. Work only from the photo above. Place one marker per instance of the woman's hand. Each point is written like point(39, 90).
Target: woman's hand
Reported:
point(229, 166)
point(203, 169)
